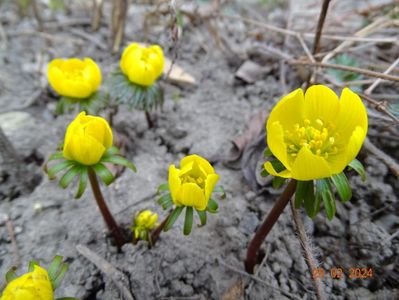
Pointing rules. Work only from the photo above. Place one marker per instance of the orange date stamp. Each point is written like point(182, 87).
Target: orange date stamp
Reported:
point(339, 273)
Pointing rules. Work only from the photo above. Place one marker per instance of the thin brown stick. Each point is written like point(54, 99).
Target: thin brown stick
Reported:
point(307, 251)
point(113, 227)
point(345, 68)
point(119, 14)
point(37, 15)
point(98, 12)
point(385, 158)
point(267, 225)
point(150, 122)
point(11, 233)
point(320, 25)
point(109, 270)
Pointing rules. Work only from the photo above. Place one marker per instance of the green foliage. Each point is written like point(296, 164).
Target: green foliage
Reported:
point(346, 76)
point(135, 96)
point(91, 105)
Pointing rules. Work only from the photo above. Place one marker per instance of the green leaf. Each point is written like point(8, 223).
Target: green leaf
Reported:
point(82, 182)
point(323, 191)
point(163, 187)
point(188, 221)
point(61, 274)
point(304, 192)
point(267, 152)
point(54, 266)
point(212, 206)
point(358, 167)
point(31, 265)
point(165, 201)
point(11, 275)
point(59, 167)
point(264, 173)
point(278, 182)
point(342, 185)
point(220, 189)
point(111, 151)
point(202, 216)
point(311, 203)
point(119, 160)
point(67, 178)
point(102, 172)
point(173, 217)
point(277, 165)
point(56, 155)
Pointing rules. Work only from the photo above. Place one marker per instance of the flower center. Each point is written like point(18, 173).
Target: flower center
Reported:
point(76, 74)
point(195, 175)
point(316, 136)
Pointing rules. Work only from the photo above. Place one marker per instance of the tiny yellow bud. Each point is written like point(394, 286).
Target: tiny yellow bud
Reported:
point(145, 220)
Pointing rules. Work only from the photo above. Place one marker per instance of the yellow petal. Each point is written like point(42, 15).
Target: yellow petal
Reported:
point(55, 76)
point(288, 111)
point(355, 143)
point(210, 184)
point(193, 195)
point(270, 169)
point(202, 163)
point(76, 88)
point(92, 73)
point(308, 166)
point(321, 103)
point(132, 49)
point(352, 113)
point(276, 143)
point(93, 124)
point(156, 59)
point(174, 183)
point(84, 149)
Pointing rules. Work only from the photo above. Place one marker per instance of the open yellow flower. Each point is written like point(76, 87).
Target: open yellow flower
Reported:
point(86, 139)
point(316, 135)
point(74, 77)
point(142, 65)
point(144, 221)
point(34, 285)
point(193, 183)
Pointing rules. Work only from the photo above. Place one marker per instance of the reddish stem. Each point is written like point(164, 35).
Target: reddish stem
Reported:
point(264, 229)
point(149, 120)
point(113, 227)
point(157, 231)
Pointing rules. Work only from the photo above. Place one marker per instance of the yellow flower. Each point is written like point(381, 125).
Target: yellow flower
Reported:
point(34, 285)
point(316, 135)
point(86, 139)
point(73, 77)
point(142, 65)
point(145, 220)
point(192, 185)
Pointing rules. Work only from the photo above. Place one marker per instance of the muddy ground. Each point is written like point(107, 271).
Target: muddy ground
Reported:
point(203, 118)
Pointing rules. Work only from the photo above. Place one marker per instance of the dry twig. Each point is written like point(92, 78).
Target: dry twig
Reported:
point(377, 82)
point(116, 276)
point(385, 158)
point(307, 251)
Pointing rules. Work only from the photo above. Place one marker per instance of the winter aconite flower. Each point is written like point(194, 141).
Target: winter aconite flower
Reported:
point(192, 184)
point(142, 65)
point(144, 222)
point(74, 78)
point(34, 285)
point(315, 135)
point(86, 139)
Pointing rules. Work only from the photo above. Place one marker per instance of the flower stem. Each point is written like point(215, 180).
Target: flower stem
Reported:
point(113, 227)
point(149, 120)
point(264, 229)
point(157, 231)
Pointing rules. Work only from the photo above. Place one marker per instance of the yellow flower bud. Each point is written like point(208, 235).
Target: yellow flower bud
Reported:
point(142, 65)
point(74, 77)
point(34, 285)
point(144, 221)
point(193, 183)
point(86, 139)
